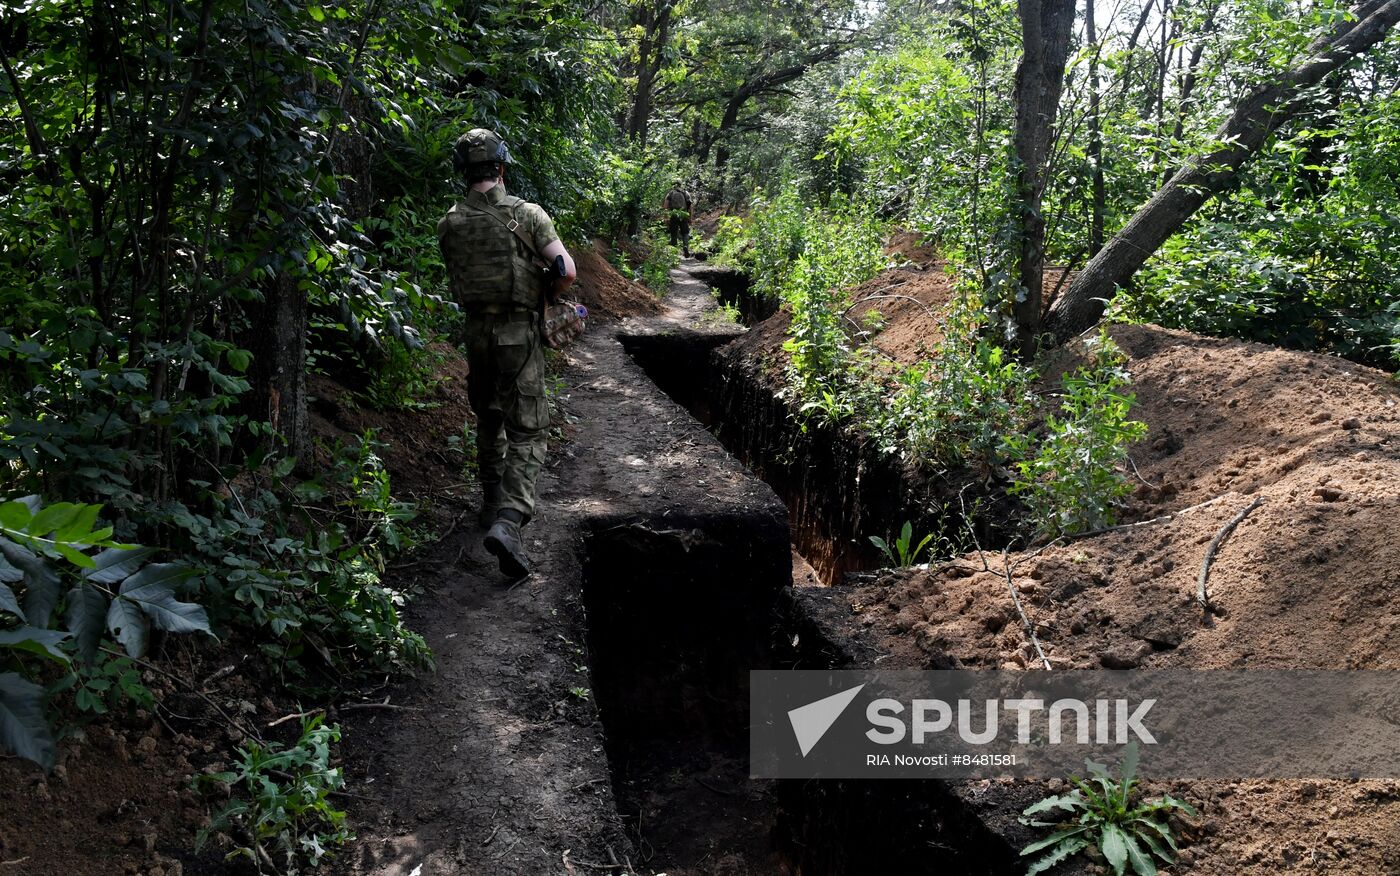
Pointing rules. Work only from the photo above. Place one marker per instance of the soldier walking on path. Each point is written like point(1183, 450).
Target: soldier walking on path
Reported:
point(502, 253)
point(680, 212)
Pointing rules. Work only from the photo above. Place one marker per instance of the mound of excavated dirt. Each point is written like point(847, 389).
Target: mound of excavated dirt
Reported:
point(910, 300)
point(1308, 580)
point(604, 291)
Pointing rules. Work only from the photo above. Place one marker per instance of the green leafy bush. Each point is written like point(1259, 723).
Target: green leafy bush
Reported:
point(312, 585)
point(1101, 812)
point(1073, 478)
point(59, 557)
point(958, 406)
point(282, 817)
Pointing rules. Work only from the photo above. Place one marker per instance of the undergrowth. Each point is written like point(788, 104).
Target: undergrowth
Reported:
point(970, 404)
point(1101, 812)
point(281, 817)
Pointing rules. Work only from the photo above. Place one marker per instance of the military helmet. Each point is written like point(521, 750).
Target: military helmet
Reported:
point(478, 145)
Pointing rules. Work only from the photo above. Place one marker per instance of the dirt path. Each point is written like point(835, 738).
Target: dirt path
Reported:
point(497, 764)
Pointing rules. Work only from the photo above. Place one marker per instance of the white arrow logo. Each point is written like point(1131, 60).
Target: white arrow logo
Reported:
point(810, 722)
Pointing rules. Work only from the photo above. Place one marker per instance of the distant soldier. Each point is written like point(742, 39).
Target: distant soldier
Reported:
point(680, 212)
point(496, 248)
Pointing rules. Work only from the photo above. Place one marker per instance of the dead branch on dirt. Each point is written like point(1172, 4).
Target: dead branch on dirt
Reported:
point(594, 865)
point(1202, 596)
point(1139, 474)
point(293, 716)
point(223, 672)
point(1162, 519)
point(456, 520)
point(1016, 598)
point(351, 707)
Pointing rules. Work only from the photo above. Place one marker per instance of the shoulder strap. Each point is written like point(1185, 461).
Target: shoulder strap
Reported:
point(511, 225)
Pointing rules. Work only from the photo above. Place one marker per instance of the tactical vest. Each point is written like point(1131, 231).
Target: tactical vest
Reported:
point(487, 265)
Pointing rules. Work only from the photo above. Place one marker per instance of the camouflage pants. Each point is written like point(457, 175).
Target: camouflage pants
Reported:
point(505, 385)
point(678, 225)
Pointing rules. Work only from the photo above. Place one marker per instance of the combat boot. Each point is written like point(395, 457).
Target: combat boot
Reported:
point(490, 505)
point(505, 543)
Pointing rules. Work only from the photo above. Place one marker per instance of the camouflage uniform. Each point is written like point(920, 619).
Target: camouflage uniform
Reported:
point(678, 204)
point(499, 288)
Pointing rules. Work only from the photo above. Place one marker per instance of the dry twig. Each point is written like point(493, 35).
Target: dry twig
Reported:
point(1025, 621)
point(1202, 596)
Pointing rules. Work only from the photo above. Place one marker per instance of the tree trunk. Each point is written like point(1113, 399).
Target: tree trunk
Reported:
point(1242, 135)
point(1045, 30)
point(277, 340)
point(727, 122)
point(650, 57)
point(1095, 151)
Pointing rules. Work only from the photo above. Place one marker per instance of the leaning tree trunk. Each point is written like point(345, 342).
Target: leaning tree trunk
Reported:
point(1208, 174)
point(1045, 29)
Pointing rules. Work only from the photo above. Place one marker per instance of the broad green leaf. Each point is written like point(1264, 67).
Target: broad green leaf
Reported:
point(1129, 768)
point(153, 589)
point(40, 642)
point(116, 564)
point(1171, 801)
point(23, 729)
point(79, 529)
point(1161, 829)
point(41, 587)
point(1141, 862)
point(8, 601)
point(55, 516)
point(1113, 843)
point(1155, 845)
point(15, 516)
point(86, 619)
point(128, 625)
point(1053, 838)
point(75, 556)
point(1068, 802)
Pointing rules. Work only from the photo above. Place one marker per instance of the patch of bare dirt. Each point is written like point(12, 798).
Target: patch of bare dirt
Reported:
point(604, 291)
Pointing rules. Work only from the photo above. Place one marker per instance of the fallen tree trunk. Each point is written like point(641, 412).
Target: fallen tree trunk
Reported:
point(1257, 116)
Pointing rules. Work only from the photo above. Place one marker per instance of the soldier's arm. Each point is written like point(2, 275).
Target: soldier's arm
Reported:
point(551, 247)
point(553, 251)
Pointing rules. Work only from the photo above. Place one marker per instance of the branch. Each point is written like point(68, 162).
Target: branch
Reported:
point(1202, 595)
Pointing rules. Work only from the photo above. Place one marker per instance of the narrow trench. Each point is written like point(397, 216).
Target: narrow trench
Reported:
point(838, 491)
point(679, 610)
